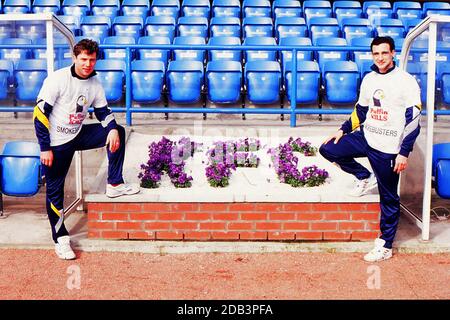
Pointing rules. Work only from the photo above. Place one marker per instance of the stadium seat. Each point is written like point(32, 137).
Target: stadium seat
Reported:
point(131, 26)
point(290, 27)
point(405, 10)
point(196, 8)
point(16, 6)
point(29, 76)
point(324, 56)
point(409, 24)
point(78, 8)
point(341, 82)
point(257, 27)
point(63, 63)
point(437, 7)
point(20, 167)
point(226, 8)
point(95, 26)
point(346, 10)
point(40, 6)
point(154, 54)
point(286, 8)
point(63, 52)
point(323, 27)
point(147, 80)
point(185, 80)
point(138, 8)
point(169, 8)
point(262, 81)
point(17, 54)
point(286, 55)
point(192, 27)
point(356, 28)
point(192, 55)
point(225, 26)
point(441, 169)
point(316, 9)
point(260, 55)
point(6, 72)
point(363, 55)
point(256, 8)
point(30, 29)
point(6, 30)
point(111, 74)
point(224, 81)
point(308, 81)
point(390, 27)
point(161, 26)
point(381, 8)
point(227, 55)
point(108, 8)
point(71, 22)
point(419, 71)
point(119, 54)
point(444, 80)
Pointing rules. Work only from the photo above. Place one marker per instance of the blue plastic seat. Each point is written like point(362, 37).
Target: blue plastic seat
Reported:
point(444, 80)
point(154, 54)
point(138, 8)
point(147, 80)
point(323, 27)
point(377, 8)
point(95, 26)
point(263, 81)
point(409, 24)
point(227, 55)
point(224, 81)
point(108, 8)
point(111, 73)
point(169, 8)
point(160, 26)
point(29, 76)
point(441, 169)
point(131, 26)
point(225, 26)
point(30, 29)
point(419, 71)
point(185, 80)
point(40, 6)
point(260, 55)
point(119, 54)
point(61, 49)
point(257, 27)
point(286, 8)
point(286, 56)
point(6, 73)
point(196, 8)
point(16, 6)
point(324, 56)
point(360, 57)
point(290, 27)
point(192, 55)
point(356, 28)
point(436, 7)
point(20, 167)
point(308, 81)
point(341, 81)
point(391, 27)
point(13, 54)
point(405, 10)
point(316, 9)
point(6, 30)
point(192, 27)
point(256, 8)
point(346, 10)
point(78, 8)
point(71, 22)
point(226, 8)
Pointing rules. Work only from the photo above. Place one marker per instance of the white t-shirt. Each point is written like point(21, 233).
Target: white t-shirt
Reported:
point(70, 97)
point(387, 97)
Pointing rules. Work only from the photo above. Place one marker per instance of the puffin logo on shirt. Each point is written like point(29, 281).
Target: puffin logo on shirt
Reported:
point(78, 117)
point(377, 112)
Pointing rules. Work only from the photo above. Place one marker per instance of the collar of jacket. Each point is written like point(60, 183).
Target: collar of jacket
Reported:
point(74, 74)
point(375, 68)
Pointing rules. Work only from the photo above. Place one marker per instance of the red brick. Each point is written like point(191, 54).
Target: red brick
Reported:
point(254, 216)
point(169, 235)
point(212, 225)
point(297, 207)
point(324, 226)
point(241, 207)
point(281, 235)
point(323, 207)
point(101, 225)
point(282, 216)
point(129, 225)
point(351, 225)
point(252, 235)
point(183, 225)
point(156, 207)
point(373, 226)
point(337, 236)
point(308, 236)
point(370, 216)
point(373, 207)
point(225, 216)
point(196, 235)
point(268, 226)
point(128, 207)
point(364, 235)
point(268, 207)
point(93, 216)
point(100, 206)
point(185, 207)
point(213, 207)
point(240, 226)
point(216, 235)
point(157, 225)
point(94, 234)
point(353, 207)
point(143, 216)
point(114, 235)
point(170, 216)
point(197, 216)
point(309, 216)
point(141, 235)
point(336, 216)
point(296, 226)
point(115, 216)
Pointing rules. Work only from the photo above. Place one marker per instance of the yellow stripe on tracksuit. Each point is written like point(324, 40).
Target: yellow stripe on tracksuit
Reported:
point(354, 119)
point(37, 113)
point(55, 210)
point(60, 215)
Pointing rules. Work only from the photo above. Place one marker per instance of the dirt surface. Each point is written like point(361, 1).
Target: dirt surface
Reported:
point(39, 274)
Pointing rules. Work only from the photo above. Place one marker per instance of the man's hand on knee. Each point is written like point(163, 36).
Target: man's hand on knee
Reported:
point(113, 140)
point(337, 136)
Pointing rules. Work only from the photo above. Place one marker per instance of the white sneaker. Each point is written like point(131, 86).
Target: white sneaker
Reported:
point(379, 252)
point(121, 190)
point(63, 249)
point(364, 186)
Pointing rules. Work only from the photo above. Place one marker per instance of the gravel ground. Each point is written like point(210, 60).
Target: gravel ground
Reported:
point(39, 274)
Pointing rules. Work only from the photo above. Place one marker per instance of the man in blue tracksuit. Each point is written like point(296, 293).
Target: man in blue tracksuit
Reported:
point(389, 107)
point(62, 105)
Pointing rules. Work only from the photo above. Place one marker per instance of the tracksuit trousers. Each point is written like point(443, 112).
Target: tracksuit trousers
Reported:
point(354, 145)
point(91, 136)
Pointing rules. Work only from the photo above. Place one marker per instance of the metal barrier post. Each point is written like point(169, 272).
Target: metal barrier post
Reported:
point(294, 88)
point(128, 87)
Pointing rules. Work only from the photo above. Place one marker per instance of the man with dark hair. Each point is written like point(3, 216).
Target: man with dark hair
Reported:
point(62, 105)
point(389, 107)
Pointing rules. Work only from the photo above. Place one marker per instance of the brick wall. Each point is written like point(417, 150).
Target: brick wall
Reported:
point(234, 221)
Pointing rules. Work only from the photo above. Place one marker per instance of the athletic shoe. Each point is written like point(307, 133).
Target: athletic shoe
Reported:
point(63, 249)
point(364, 186)
point(121, 190)
point(379, 252)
